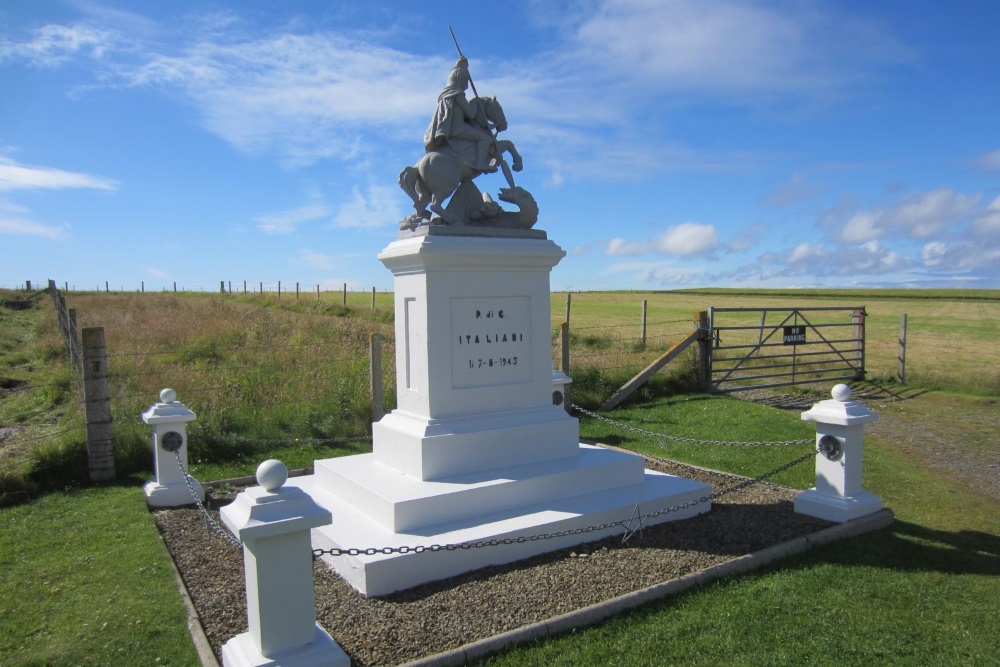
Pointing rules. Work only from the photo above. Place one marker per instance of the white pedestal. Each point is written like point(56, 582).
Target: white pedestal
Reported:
point(323, 651)
point(169, 418)
point(476, 449)
point(839, 509)
point(273, 522)
point(838, 494)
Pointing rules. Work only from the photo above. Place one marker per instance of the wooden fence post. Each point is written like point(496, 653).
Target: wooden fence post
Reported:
point(644, 323)
point(222, 287)
point(279, 289)
point(375, 372)
point(317, 292)
point(27, 285)
point(74, 348)
point(373, 297)
point(569, 300)
point(296, 290)
point(345, 295)
point(704, 350)
point(564, 361)
point(858, 320)
point(97, 404)
point(902, 349)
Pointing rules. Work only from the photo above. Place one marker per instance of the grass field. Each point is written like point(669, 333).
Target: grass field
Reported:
point(85, 579)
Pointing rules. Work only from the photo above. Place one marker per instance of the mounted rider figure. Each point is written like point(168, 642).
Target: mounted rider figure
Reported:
point(457, 118)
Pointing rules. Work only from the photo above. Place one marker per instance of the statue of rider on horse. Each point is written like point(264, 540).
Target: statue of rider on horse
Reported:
point(460, 145)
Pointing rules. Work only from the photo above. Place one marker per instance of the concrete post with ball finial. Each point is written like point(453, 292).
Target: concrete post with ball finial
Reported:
point(169, 418)
point(838, 494)
point(273, 522)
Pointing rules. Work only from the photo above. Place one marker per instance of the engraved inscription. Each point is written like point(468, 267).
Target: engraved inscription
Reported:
point(491, 342)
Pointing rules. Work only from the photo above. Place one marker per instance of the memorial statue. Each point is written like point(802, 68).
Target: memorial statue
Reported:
point(461, 144)
point(456, 118)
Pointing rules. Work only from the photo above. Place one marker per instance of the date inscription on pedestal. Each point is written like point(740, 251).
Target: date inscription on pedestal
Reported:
point(490, 341)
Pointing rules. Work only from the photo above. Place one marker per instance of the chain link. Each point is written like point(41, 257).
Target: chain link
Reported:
point(695, 441)
point(295, 441)
point(632, 525)
point(211, 523)
point(506, 541)
point(636, 519)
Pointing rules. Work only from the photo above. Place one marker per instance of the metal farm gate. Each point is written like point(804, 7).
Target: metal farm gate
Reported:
point(754, 348)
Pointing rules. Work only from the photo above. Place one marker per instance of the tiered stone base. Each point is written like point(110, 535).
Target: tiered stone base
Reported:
point(523, 500)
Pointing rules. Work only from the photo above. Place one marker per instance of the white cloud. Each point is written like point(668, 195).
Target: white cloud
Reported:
point(918, 217)
point(863, 226)
point(378, 206)
point(685, 240)
point(791, 192)
point(960, 256)
point(15, 225)
point(307, 94)
point(988, 222)
point(303, 96)
point(990, 161)
point(14, 176)
point(286, 222)
point(53, 45)
point(731, 46)
point(806, 253)
point(663, 273)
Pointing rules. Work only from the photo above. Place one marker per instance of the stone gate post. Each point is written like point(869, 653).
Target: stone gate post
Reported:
point(169, 420)
point(838, 495)
point(273, 522)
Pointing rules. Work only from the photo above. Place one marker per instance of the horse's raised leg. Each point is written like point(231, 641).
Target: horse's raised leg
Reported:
point(507, 146)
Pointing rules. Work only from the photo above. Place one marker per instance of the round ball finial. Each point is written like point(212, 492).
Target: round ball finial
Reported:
point(168, 396)
point(271, 474)
point(841, 392)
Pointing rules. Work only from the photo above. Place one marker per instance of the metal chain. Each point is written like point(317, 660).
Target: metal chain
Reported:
point(750, 482)
point(626, 524)
point(296, 441)
point(677, 438)
point(210, 523)
point(638, 520)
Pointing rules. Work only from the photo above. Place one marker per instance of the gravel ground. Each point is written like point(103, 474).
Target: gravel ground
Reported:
point(444, 615)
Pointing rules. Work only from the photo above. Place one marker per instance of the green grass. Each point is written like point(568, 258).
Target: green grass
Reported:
point(87, 580)
point(922, 592)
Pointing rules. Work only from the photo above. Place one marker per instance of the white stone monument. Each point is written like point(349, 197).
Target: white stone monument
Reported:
point(169, 418)
point(273, 522)
point(838, 494)
point(476, 450)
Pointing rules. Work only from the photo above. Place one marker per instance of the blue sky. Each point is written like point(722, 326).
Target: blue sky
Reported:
point(669, 143)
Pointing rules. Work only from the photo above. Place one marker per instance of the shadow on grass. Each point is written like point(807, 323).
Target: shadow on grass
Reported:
point(911, 547)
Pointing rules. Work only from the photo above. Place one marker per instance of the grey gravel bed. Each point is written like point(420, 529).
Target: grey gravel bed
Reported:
point(444, 615)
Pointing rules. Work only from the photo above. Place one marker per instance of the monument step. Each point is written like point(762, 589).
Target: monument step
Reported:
point(401, 502)
point(382, 574)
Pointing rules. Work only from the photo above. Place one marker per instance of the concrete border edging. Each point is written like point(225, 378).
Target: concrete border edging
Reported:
point(596, 613)
point(198, 637)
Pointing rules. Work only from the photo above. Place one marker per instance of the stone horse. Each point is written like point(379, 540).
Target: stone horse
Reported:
point(441, 170)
